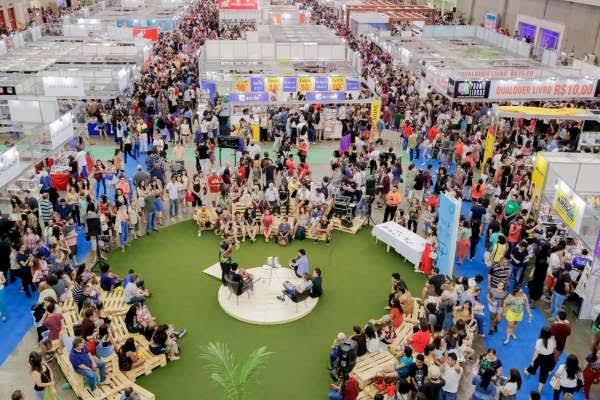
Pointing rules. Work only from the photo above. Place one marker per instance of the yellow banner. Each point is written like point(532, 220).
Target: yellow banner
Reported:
point(241, 85)
point(305, 84)
point(375, 113)
point(538, 177)
point(568, 205)
point(337, 84)
point(533, 111)
point(274, 85)
point(490, 141)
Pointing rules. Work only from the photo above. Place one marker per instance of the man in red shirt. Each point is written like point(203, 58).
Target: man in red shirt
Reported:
point(432, 133)
point(54, 323)
point(561, 330)
point(289, 164)
point(214, 182)
point(407, 130)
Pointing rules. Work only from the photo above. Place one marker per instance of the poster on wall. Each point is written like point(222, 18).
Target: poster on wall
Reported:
point(290, 84)
point(352, 85)
point(257, 84)
point(274, 85)
point(57, 86)
point(468, 89)
point(241, 85)
point(305, 84)
point(568, 205)
point(321, 84)
point(448, 224)
point(490, 21)
point(10, 166)
point(337, 84)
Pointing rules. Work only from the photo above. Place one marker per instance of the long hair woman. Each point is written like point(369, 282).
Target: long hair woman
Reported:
point(43, 384)
point(543, 357)
point(509, 390)
point(569, 377)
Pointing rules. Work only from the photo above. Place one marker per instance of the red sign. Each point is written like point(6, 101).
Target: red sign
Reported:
point(238, 4)
point(146, 33)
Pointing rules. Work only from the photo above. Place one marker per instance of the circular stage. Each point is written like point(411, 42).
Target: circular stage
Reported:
point(262, 307)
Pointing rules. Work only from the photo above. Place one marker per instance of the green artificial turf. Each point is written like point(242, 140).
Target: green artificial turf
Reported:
point(356, 275)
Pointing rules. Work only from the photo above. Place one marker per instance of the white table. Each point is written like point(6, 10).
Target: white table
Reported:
point(406, 243)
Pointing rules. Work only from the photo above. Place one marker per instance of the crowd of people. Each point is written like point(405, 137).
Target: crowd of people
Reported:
point(275, 194)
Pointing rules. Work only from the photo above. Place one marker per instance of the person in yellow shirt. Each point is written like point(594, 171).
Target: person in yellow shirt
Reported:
point(392, 201)
point(205, 219)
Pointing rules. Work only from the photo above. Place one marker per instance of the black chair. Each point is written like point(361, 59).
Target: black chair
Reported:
point(300, 298)
point(234, 289)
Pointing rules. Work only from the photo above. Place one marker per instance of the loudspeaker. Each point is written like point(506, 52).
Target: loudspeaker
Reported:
point(229, 142)
point(370, 186)
point(347, 356)
point(94, 228)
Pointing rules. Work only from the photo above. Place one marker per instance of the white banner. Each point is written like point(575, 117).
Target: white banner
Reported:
point(63, 87)
point(553, 89)
point(500, 73)
point(61, 130)
point(437, 78)
point(10, 166)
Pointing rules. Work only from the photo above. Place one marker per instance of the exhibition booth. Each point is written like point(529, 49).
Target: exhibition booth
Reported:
point(570, 192)
point(468, 63)
point(236, 11)
point(392, 9)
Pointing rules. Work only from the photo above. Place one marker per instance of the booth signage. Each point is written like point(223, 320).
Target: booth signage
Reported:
point(238, 5)
point(500, 73)
point(248, 97)
point(257, 84)
point(448, 222)
point(290, 84)
point(10, 166)
point(375, 114)
point(8, 91)
point(146, 33)
point(325, 96)
point(538, 177)
point(241, 85)
point(305, 84)
point(337, 84)
point(321, 84)
point(546, 89)
point(56, 86)
point(61, 130)
point(569, 206)
point(274, 85)
point(468, 89)
point(490, 21)
point(352, 85)
point(437, 79)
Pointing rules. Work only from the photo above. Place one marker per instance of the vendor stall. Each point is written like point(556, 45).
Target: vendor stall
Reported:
point(240, 11)
point(566, 181)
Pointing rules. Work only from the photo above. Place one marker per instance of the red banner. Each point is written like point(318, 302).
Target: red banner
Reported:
point(146, 33)
point(238, 4)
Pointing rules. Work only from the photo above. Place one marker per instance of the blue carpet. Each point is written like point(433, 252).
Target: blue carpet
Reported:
point(517, 353)
point(18, 306)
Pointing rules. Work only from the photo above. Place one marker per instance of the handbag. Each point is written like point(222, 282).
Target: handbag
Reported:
point(555, 383)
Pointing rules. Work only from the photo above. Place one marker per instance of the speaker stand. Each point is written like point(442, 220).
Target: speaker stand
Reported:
point(370, 220)
point(99, 260)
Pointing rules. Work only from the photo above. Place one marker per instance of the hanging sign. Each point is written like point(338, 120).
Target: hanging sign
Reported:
point(325, 96)
point(543, 89)
point(257, 84)
point(248, 97)
point(447, 232)
point(57, 86)
point(290, 84)
point(10, 166)
point(352, 85)
point(569, 206)
point(321, 84)
point(375, 113)
point(241, 85)
point(61, 130)
point(274, 85)
point(337, 84)
point(468, 89)
point(305, 84)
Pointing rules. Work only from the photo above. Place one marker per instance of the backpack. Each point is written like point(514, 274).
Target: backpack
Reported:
point(300, 233)
point(124, 361)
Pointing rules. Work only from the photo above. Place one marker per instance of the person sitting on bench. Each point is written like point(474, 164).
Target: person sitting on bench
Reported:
point(284, 232)
point(243, 277)
point(292, 291)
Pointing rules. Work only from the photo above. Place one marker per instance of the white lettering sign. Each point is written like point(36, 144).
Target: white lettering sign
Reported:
point(546, 89)
point(63, 87)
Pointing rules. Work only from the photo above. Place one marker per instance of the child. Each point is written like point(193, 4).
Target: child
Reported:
point(404, 362)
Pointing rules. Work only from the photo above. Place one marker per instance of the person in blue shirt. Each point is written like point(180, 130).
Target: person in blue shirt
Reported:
point(300, 264)
point(485, 389)
point(404, 362)
point(64, 210)
point(85, 364)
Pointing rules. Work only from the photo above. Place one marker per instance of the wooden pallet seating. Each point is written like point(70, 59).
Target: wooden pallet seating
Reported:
point(402, 334)
point(370, 364)
point(116, 381)
point(113, 303)
point(357, 223)
point(417, 314)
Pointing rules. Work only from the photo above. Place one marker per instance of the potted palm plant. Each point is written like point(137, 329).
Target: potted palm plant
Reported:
point(234, 377)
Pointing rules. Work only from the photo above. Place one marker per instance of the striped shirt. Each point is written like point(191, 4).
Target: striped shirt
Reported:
point(499, 273)
point(45, 208)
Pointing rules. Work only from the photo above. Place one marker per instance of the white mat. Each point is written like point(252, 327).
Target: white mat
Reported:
point(214, 271)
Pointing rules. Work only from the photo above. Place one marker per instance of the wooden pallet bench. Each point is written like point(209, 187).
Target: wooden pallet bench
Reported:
point(370, 364)
point(357, 223)
point(417, 314)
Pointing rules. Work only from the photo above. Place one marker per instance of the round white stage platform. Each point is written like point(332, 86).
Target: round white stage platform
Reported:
point(262, 307)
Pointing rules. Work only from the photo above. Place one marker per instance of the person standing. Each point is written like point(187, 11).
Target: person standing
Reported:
point(519, 257)
point(516, 303)
point(173, 195)
point(562, 287)
point(561, 330)
point(451, 373)
point(43, 382)
point(2, 307)
point(591, 373)
point(150, 209)
point(392, 200)
point(568, 375)
point(543, 357)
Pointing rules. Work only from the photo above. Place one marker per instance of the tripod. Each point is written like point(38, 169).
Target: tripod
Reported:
point(370, 200)
point(100, 263)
